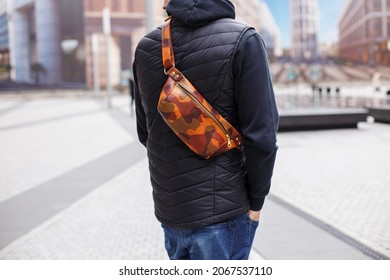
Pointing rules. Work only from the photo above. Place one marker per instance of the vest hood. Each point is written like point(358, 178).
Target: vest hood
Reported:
point(200, 12)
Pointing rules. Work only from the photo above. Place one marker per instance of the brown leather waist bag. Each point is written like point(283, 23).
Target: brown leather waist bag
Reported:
point(188, 114)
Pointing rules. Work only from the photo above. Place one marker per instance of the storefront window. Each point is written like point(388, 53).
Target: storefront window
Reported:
point(388, 27)
point(376, 5)
point(377, 27)
point(94, 5)
point(116, 5)
point(72, 41)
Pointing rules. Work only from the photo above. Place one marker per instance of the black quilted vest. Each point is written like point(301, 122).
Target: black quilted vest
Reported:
point(188, 191)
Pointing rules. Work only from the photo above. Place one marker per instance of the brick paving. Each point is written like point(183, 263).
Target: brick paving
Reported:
point(114, 222)
point(338, 176)
point(43, 138)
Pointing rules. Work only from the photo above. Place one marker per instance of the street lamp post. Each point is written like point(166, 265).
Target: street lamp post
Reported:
point(95, 54)
point(107, 33)
point(149, 15)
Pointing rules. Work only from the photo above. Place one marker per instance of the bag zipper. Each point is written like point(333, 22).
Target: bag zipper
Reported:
point(183, 88)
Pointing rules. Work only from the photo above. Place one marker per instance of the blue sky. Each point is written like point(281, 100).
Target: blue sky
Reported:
point(329, 12)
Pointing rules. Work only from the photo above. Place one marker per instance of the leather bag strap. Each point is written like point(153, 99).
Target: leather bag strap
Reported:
point(168, 57)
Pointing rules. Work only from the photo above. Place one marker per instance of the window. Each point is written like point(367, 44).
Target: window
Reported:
point(378, 27)
point(376, 5)
point(368, 30)
point(95, 5)
point(367, 5)
point(116, 5)
point(388, 26)
point(99, 4)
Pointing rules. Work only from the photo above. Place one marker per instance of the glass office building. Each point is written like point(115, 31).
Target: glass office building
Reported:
point(304, 23)
point(55, 35)
point(4, 39)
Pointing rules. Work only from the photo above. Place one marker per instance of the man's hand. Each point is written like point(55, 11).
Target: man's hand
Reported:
point(254, 215)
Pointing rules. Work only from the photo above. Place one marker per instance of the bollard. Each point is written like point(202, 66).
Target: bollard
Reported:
point(313, 88)
point(328, 92)
point(338, 96)
point(388, 97)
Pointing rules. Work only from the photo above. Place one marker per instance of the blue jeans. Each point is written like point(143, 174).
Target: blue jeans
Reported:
point(230, 240)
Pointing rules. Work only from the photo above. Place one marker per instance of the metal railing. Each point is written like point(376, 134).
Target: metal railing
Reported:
point(296, 101)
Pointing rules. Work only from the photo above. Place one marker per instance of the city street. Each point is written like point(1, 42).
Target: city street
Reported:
point(75, 185)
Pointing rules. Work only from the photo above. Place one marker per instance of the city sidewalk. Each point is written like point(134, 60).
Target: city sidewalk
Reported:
point(75, 185)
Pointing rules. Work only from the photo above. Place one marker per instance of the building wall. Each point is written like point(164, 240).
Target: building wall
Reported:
point(128, 18)
point(364, 31)
point(20, 38)
point(304, 22)
point(35, 32)
point(48, 38)
point(257, 14)
point(270, 31)
point(248, 11)
point(41, 29)
point(3, 26)
point(4, 42)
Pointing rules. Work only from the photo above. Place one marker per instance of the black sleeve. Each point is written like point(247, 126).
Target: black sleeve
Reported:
point(139, 110)
point(258, 115)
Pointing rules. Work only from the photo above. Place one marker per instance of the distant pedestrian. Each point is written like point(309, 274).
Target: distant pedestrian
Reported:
point(338, 93)
point(328, 92)
point(131, 95)
point(376, 82)
point(208, 208)
point(313, 88)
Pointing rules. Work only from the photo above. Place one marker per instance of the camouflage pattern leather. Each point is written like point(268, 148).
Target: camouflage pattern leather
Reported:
point(188, 114)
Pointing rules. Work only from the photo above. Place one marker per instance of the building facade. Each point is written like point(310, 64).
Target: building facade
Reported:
point(256, 13)
point(248, 11)
point(51, 39)
point(4, 38)
point(304, 24)
point(364, 32)
point(270, 31)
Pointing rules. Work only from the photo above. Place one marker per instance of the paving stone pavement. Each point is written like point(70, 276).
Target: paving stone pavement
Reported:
point(337, 176)
point(340, 177)
point(114, 222)
point(48, 137)
point(43, 138)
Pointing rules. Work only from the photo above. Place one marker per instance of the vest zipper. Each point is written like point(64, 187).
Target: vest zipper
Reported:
point(184, 89)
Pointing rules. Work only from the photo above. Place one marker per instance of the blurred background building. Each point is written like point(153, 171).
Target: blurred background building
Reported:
point(364, 31)
point(248, 11)
point(4, 45)
point(51, 39)
point(270, 31)
point(256, 13)
point(304, 22)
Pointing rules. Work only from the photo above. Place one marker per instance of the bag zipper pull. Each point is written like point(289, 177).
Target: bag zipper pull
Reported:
point(229, 140)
